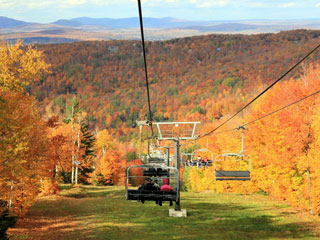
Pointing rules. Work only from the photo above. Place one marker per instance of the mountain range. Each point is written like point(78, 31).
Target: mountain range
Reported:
point(85, 28)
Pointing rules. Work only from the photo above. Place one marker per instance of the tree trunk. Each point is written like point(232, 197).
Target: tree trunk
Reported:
point(10, 194)
point(309, 186)
point(78, 152)
point(73, 142)
point(76, 175)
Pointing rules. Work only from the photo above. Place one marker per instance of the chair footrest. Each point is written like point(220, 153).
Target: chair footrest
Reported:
point(232, 179)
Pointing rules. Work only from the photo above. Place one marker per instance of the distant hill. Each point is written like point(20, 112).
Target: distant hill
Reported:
point(11, 23)
point(230, 27)
point(42, 40)
point(85, 28)
point(67, 23)
point(134, 22)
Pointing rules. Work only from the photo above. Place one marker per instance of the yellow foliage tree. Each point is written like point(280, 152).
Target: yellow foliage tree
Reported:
point(24, 158)
point(20, 66)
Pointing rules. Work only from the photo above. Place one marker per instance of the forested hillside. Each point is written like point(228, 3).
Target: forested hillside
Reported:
point(91, 92)
point(198, 78)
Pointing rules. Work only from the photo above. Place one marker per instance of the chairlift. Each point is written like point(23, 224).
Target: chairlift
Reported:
point(161, 172)
point(197, 152)
point(201, 151)
point(238, 175)
point(156, 173)
point(155, 156)
point(186, 158)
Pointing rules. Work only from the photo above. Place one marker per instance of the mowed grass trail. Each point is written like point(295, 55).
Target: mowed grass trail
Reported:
point(90, 212)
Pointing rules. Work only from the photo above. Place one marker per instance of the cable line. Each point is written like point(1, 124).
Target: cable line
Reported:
point(269, 87)
point(145, 64)
point(271, 113)
point(267, 115)
point(280, 109)
point(229, 130)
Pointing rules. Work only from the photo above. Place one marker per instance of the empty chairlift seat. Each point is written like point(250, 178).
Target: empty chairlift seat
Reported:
point(232, 175)
point(238, 175)
point(243, 162)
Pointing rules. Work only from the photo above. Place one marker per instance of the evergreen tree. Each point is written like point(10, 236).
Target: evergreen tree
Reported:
point(87, 143)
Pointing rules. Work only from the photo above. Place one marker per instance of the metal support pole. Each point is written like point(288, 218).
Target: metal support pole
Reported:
point(148, 146)
point(177, 158)
point(140, 140)
point(242, 141)
point(168, 156)
point(207, 143)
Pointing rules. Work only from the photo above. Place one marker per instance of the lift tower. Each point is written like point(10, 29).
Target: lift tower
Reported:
point(176, 132)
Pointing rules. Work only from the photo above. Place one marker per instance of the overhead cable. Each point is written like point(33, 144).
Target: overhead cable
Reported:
point(145, 65)
point(271, 113)
point(280, 109)
point(264, 91)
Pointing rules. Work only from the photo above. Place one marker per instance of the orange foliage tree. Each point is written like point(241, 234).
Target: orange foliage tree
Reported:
point(24, 158)
point(109, 169)
point(283, 147)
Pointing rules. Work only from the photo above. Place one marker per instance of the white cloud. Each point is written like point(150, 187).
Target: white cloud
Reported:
point(72, 3)
point(6, 3)
point(25, 5)
point(100, 2)
point(36, 4)
point(212, 3)
point(256, 4)
point(318, 5)
point(287, 5)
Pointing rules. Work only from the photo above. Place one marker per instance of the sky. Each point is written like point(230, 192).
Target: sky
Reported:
point(46, 11)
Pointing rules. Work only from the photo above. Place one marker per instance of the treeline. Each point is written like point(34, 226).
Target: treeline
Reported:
point(39, 152)
point(196, 78)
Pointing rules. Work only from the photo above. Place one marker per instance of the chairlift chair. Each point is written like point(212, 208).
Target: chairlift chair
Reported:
point(157, 172)
point(185, 157)
point(238, 175)
point(206, 150)
point(156, 156)
point(194, 160)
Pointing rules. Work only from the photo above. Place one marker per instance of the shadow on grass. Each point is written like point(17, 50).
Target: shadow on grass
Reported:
point(95, 192)
point(113, 194)
point(113, 217)
point(65, 187)
point(231, 221)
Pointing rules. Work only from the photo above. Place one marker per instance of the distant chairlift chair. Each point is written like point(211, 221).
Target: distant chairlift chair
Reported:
point(195, 153)
point(206, 150)
point(156, 156)
point(221, 175)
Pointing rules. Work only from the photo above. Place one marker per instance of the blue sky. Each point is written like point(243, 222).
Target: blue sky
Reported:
point(45, 11)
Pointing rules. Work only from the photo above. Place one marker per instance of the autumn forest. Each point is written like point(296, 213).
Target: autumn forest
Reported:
point(67, 112)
